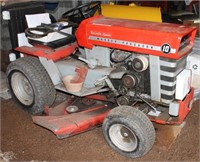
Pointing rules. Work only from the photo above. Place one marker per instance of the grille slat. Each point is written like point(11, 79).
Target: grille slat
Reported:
point(169, 69)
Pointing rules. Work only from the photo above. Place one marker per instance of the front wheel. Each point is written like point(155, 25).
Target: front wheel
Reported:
point(30, 84)
point(129, 131)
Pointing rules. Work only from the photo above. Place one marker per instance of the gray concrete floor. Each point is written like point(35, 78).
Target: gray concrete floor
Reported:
point(4, 91)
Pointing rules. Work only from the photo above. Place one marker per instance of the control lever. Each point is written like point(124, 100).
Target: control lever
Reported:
point(92, 63)
point(151, 106)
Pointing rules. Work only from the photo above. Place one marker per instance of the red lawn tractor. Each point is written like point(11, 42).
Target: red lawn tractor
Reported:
point(123, 73)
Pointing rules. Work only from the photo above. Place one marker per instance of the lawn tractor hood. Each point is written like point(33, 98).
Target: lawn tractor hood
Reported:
point(160, 39)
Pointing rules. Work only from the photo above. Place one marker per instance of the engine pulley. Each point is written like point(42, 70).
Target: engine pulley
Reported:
point(122, 90)
point(140, 63)
point(123, 100)
point(129, 80)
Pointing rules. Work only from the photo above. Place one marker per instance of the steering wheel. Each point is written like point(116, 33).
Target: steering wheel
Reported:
point(82, 12)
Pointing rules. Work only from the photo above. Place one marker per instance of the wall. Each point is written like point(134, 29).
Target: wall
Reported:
point(63, 6)
point(57, 13)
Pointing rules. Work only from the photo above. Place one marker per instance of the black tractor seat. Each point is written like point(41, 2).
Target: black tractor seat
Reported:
point(54, 44)
point(46, 35)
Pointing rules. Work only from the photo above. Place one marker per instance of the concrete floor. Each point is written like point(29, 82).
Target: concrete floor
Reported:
point(4, 92)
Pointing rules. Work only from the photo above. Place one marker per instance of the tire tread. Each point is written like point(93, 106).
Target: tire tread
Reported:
point(37, 75)
point(139, 120)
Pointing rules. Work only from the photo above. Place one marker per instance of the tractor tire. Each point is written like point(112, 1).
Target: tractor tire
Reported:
point(128, 131)
point(30, 84)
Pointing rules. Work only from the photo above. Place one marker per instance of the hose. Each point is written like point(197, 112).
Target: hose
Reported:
point(120, 61)
point(37, 32)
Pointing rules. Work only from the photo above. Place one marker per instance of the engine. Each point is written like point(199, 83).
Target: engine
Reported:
point(130, 74)
point(135, 80)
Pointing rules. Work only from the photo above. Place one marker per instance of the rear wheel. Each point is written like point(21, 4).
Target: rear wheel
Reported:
point(30, 84)
point(129, 131)
point(22, 88)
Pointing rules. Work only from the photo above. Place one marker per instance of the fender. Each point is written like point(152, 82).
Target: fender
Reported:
point(47, 52)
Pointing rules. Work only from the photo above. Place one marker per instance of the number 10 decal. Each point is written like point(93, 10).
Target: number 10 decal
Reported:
point(166, 48)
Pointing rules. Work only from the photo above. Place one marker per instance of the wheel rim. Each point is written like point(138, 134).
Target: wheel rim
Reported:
point(22, 88)
point(123, 137)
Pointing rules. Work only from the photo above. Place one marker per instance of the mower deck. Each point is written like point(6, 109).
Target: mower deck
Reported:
point(64, 124)
point(77, 115)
